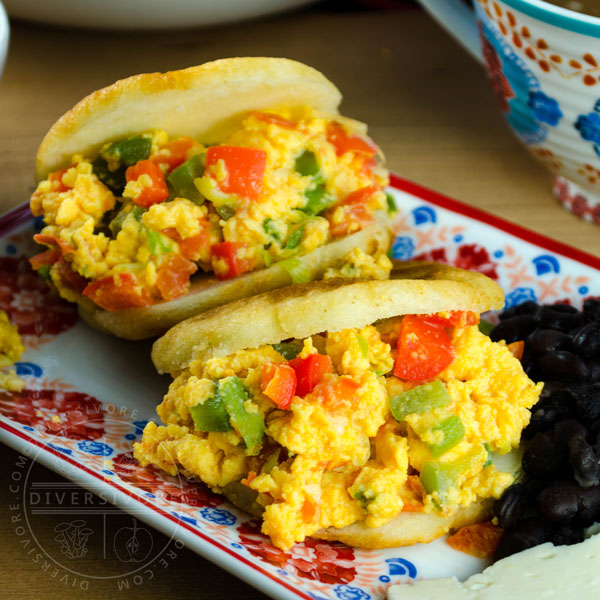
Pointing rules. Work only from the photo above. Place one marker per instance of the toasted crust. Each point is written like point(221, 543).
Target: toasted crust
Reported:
point(205, 102)
point(300, 311)
point(407, 528)
point(208, 292)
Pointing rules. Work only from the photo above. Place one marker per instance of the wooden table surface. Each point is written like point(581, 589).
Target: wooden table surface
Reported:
point(427, 103)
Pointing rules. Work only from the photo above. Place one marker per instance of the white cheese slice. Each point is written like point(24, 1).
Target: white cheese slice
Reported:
point(546, 571)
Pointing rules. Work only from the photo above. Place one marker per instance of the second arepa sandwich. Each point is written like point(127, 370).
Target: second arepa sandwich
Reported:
point(370, 412)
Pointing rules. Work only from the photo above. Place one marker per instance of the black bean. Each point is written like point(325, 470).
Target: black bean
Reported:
point(591, 309)
point(564, 366)
point(545, 414)
point(564, 307)
point(525, 308)
point(564, 501)
point(594, 367)
point(546, 317)
point(510, 507)
point(513, 329)
point(528, 533)
point(583, 461)
point(543, 341)
point(566, 535)
point(587, 341)
point(587, 402)
point(543, 458)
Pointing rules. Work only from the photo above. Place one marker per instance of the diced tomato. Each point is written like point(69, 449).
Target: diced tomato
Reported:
point(157, 191)
point(176, 153)
point(310, 371)
point(55, 242)
point(424, 349)
point(191, 247)
point(111, 295)
point(344, 142)
point(248, 479)
point(309, 510)
point(454, 318)
point(245, 169)
point(56, 180)
point(335, 393)
point(516, 349)
point(275, 120)
point(49, 257)
point(360, 196)
point(173, 275)
point(71, 278)
point(356, 217)
point(278, 382)
point(226, 260)
point(413, 507)
point(480, 539)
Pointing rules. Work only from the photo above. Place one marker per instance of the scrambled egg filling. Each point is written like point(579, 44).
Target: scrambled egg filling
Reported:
point(11, 349)
point(129, 226)
point(352, 444)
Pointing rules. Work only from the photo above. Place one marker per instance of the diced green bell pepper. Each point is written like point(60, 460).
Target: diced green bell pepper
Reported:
point(391, 205)
point(250, 426)
point(155, 242)
point(363, 345)
point(453, 433)
point(211, 415)
point(271, 229)
point(44, 271)
point(440, 477)
point(295, 238)
point(420, 399)
point(307, 163)
point(364, 497)
point(288, 350)
point(114, 180)
point(182, 179)
point(489, 461)
point(226, 211)
point(130, 150)
point(486, 327)
point(297, 270)
point(271, 462)
point(318, 200)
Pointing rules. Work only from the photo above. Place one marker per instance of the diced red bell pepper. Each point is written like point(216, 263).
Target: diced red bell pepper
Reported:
point(424, 349)
point(344, 142)
point(49, 257)
point(56, 180)
point(245, 169)
point(54, 242)
point(154, 193)
point(516, 349)
point(278, 382)
point(454, 318)
point(310, 371)
point(173, 276)
point(275, 120)
point(71, 278)
point(226, 260)
point(176, 153)
point(111, 296)
point(191, 247)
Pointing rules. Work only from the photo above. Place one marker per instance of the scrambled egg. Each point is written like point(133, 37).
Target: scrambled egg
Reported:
point(128, 227)
point(336, 454)
point(11, 349)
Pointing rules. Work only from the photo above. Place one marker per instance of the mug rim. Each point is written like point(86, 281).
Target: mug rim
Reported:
point(564, 18)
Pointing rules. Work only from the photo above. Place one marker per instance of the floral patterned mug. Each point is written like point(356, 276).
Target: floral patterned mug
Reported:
point(544, 66)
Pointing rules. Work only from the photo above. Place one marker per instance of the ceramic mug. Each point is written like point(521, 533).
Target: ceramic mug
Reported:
point(544, 66)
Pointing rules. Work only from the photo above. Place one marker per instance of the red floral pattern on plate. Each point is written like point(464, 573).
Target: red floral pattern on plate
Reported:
point(327, 562)
point(468, 256)
point(80, 416)
point(174, 489)
point(28, 301)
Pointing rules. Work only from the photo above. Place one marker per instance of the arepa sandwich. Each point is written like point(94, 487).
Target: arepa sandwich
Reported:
point(166, 194)
point(370, 412)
